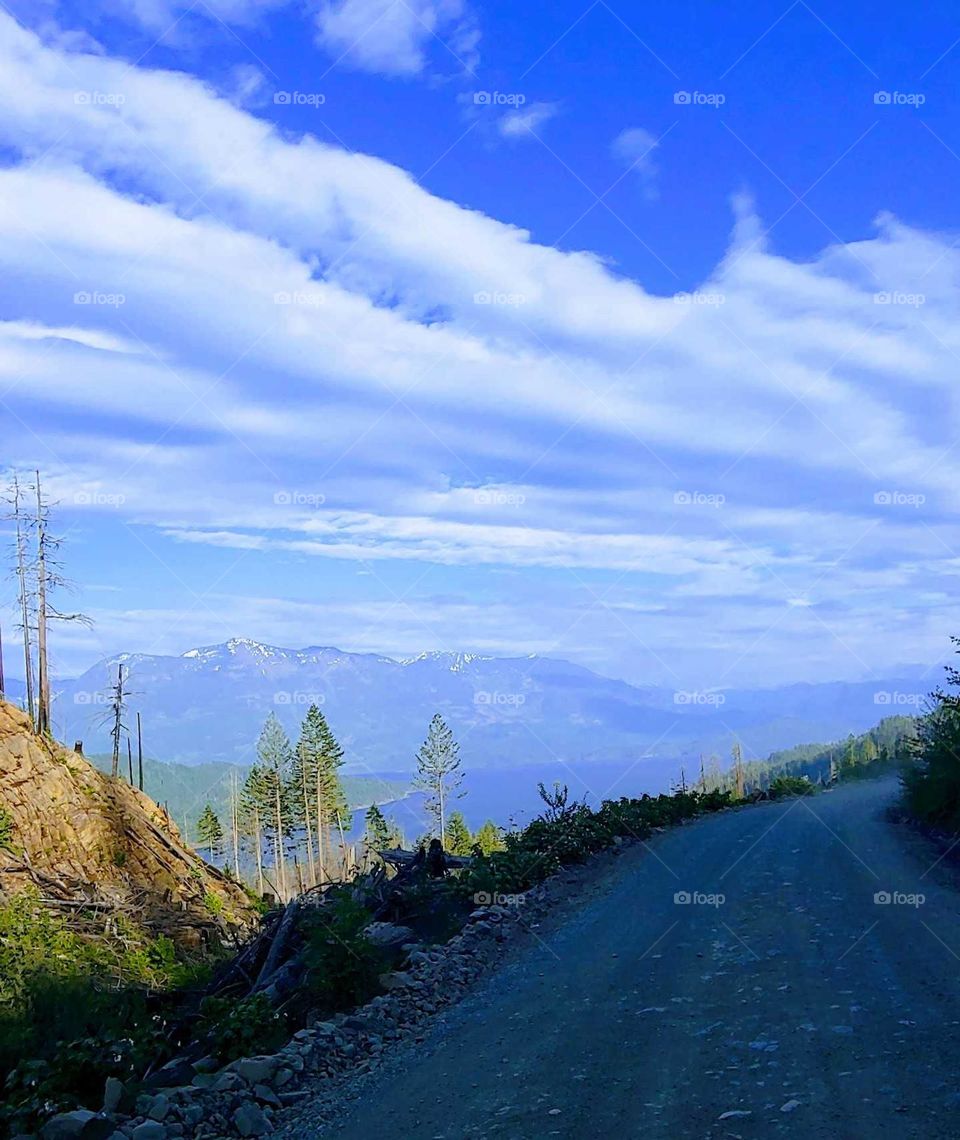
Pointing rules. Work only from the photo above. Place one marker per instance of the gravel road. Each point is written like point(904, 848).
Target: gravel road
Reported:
point(782, 1000)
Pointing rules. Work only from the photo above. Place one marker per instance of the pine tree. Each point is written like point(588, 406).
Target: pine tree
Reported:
point(276, 764)
point(319, 802)
point(378, 830)
point(738, 775)
point(254, 801)
point(489, 838)
point(210, 833)
point(438, 773)
point(459, 839)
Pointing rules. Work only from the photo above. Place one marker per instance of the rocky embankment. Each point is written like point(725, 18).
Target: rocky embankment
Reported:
point(80, 836)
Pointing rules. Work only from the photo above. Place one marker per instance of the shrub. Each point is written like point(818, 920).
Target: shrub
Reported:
point(344, 967)
point(240, 1028)
point(785, 786)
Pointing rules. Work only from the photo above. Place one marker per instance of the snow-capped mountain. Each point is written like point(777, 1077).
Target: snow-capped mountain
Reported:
point(210, 702)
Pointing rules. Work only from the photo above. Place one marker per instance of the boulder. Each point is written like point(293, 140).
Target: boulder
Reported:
point(388, 934)
point(150, 1130)
point(256, 1070)
point(249, 1120)
point(79, 1125)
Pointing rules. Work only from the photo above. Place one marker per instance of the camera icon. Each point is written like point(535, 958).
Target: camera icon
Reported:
point(883, 498)
point(482, 98)
point(882, 898)
point(881, 98)
point(282, 499)
point(683, 898)
point(482, 298)
point(682, 498)
point(282, 698)
point(82, 298)
point(81, 98)
point(81, 699)
point(281, 298)
point(882, 698)
point(281, 97)
point(681, 97)
point(482, 898)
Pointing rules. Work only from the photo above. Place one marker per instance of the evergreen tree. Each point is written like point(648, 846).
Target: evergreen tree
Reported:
point(438, 773)
point(378, 830)
point(459, 839)
point(210, 833)
point(319, 802)
point(252, 810)
point(275, 784)
point(489, 838)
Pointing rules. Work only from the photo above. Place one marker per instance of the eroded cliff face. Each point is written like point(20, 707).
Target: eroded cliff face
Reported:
point(80, 835)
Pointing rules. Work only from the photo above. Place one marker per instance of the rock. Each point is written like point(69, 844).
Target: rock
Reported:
point(282, 1077)
point(79, 1125)
point(256, 1070)
point(203, 1080)
point(179, 1071)
point(266, 1095)
point(388, 934)
point(206, 1065)
point(790, 1105)
point(159, 1107)
point(228, 1082)
point(114, 1094)
point(397, 980)
point(734, 1114)
point(150, 1130)
point(249, 1120)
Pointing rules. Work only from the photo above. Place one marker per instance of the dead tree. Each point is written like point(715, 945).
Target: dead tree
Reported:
point(21, 568)
point(139, 754)
point(118, 706)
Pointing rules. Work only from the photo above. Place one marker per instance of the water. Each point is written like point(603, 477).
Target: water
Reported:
point(509, 796)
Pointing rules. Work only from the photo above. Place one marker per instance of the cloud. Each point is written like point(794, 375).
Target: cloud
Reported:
point(527, 120)
point(635, 146)
point(434, 394)
point(396, 37)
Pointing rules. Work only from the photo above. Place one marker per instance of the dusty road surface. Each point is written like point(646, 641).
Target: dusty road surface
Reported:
point(797, 1006)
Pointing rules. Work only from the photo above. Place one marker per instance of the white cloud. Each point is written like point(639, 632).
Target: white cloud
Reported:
point(527, 120)
point(635, 146)
point(396, 37)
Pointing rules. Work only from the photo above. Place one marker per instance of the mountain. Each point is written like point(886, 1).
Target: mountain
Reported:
point(82, 837)
point(209, 704)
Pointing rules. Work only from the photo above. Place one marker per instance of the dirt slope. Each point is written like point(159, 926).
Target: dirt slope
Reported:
point(797, 1007)
point(77, 834)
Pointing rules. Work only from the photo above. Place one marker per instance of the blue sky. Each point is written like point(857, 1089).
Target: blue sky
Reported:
point(412, 324)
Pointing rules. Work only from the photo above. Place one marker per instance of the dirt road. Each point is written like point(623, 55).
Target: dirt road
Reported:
point(781, 1000)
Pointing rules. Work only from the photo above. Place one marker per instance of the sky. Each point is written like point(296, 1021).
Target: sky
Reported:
point(402, 325)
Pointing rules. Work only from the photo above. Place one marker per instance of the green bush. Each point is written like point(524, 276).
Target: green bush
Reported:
point(344, 967)
point(241, 1028)
point(783, 787)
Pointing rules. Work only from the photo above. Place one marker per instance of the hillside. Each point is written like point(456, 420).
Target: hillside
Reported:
point(209, 704)
point(82, 837)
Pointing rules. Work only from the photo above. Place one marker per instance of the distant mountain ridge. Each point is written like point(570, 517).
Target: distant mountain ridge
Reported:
point(209, 703)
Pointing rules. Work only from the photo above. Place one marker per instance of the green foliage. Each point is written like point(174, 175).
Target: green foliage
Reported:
point(784, 787)
point(73, 1008)
point(213, 903)
point(344, 966)
point(241, 1028)
point(210, 833)
point(489, 838)
point(377, 830)
point(438, 773)
point(459, 839)
point(932, 779)
point(6, 830)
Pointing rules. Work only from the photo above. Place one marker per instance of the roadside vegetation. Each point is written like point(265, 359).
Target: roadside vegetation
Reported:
point(932, 780)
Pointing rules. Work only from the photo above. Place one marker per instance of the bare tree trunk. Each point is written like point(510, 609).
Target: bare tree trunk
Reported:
point(258, 841)
point(343, 846)
point(130, 760)
point(235, 823)
point(43, 668)
point(117, 721)
point(306, 818)
point(24, 595)
point(320, 851)
point(139, 754)
point(278, 842)
point(443, 830)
